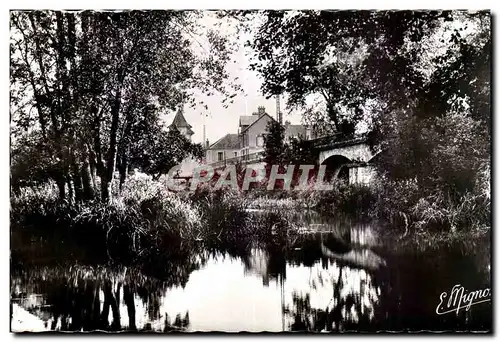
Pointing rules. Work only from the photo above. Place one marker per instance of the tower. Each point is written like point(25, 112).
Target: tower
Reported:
point(181, 124)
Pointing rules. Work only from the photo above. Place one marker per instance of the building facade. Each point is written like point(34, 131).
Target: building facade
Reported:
point(251, 131)
point(248, 144)
point(225, 148)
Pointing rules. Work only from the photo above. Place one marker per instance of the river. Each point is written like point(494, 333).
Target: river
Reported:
point(376, 284)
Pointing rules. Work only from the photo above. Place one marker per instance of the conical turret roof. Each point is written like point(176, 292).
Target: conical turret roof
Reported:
point(179, 120)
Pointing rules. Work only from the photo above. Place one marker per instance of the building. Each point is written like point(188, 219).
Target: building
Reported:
point(189, 163)
point(253, 128)
point(225, 148)
point(251, 131)
point(248, 143)
point(297, 132)
point(181, 124)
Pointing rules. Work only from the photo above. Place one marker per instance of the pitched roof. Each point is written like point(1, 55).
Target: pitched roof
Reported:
point(258, 119)
point(247, 120)
point(227, 142)
point(179, 120)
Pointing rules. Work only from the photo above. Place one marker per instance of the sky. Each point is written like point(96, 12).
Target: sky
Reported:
point(219, 120)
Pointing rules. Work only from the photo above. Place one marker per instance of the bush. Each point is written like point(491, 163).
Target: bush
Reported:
point(146, 218)
point(272, 227)
point(38, 209)
point(468, 213)
point(418, 208)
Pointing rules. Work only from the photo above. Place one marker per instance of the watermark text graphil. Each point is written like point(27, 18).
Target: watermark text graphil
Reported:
point(229, 177)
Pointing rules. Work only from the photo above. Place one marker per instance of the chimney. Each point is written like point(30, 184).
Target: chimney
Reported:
point(261, 110)
point(279, 117)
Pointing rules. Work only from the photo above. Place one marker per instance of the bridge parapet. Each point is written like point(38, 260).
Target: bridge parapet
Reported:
point(244, 159)
point(354, 148)
point(337, 140)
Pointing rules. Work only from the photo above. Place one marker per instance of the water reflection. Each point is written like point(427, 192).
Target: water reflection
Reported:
point(81, 298)
point(338, 277)
point(226, 294)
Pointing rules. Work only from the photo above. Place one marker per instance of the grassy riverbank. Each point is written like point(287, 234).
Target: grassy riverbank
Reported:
point(145, 220)
point(403, 205)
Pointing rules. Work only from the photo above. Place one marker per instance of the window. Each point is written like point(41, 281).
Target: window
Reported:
point(220, 156)
point(235, 154)
point(260, 141)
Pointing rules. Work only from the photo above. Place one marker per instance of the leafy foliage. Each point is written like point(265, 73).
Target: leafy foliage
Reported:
point(418, 80)
point(91, 83)
point(347, 57)
point(274, 143)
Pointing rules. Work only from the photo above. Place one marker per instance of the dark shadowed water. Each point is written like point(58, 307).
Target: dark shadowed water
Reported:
point(318, 284)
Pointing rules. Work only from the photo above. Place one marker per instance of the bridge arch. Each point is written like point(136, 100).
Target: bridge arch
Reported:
point(337, 167)
point(360, 152)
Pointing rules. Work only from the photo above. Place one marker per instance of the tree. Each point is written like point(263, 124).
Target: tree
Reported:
point(419, 80)
point(157, 153)
point(444, 138)
point(346, 57)
point(299, 152)
point(91, 76)
point(274, 144)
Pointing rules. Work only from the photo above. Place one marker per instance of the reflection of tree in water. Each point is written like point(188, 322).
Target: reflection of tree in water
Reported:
point(86, 298)
point(268, 263)
point(403, 297)
point(351, 305)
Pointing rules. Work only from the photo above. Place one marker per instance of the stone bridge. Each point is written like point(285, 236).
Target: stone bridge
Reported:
point(348, 158)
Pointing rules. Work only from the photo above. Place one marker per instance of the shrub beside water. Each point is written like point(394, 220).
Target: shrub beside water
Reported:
point(135, 223)
point(223, 212)
point(418, 209)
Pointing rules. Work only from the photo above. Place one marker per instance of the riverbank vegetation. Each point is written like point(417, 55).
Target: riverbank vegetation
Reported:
point(422, 94)
point(144, 221)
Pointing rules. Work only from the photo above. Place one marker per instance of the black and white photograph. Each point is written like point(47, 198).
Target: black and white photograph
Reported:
point(250, 171)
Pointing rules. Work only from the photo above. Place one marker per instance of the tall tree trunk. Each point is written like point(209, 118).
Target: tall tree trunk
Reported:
point(105, 189)
point(50, 99)
point(62, 103)
point(107, 178)
point(61, 185)
point(86, 175)
point(333, 116)
point(76, 176)
point(71, 188)
point(93, 169)
point(77, 181)
point(123, 169)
